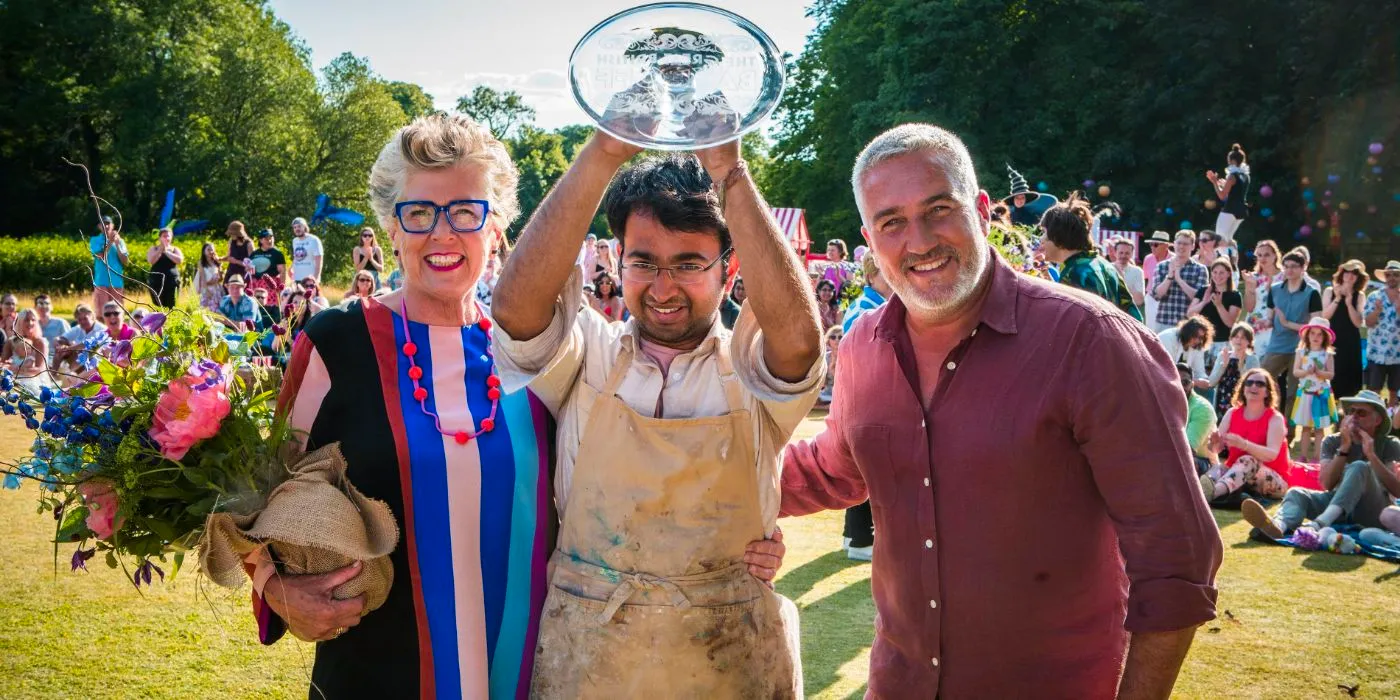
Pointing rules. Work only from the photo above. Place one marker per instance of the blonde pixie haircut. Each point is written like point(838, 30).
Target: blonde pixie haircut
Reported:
point(443, 141)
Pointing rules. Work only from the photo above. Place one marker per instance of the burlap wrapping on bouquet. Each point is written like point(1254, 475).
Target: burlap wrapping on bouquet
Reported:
point(316, 522)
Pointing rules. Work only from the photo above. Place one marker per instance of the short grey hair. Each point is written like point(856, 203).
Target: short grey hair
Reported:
point(443, 141)
point(911, 138)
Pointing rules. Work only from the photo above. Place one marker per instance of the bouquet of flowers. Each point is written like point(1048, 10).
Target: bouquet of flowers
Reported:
point(150, 437)
point(1019, 246)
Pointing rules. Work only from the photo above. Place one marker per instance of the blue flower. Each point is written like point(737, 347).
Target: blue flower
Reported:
point(11, 480)
point(153, 323)
point(91, 433)
point(31, 423)
point(74, 436)
point(107, 421)
point(45, 394)
point(51, 412)
point(25, 410)
point(81, 415)
point(7, 409)
point(81, 557)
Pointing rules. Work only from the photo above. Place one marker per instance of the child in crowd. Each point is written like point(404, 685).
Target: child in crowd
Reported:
point(1236, 358)
point(1314, 408)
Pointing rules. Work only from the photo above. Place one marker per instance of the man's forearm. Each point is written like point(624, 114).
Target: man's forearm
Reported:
point(777, 288)
point(544, 254)
point(1154, 659)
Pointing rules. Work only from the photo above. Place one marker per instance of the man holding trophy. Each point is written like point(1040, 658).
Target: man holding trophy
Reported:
point(668, 425)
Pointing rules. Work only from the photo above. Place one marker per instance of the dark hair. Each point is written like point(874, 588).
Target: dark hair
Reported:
point(1207, 233)
point(1270, 400)
point(674, 189)
point(1295, 256)
point(41, 297)
point(1067, 224)
point(598, 286)
point(205, 250)
point(835, 298)
point(1245, 330)
point(1183, 368)
point(1001, 214)
point(1229, 276)
point(1355, 267)
point(1195, 326)
point(1236, 156)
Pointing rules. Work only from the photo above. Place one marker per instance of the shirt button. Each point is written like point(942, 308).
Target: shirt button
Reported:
point(933, 604)
point(928, 544)
point(935, 661)
point(925, 481)
point(952, 365)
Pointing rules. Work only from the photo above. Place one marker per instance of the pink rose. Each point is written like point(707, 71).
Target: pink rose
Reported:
point(101, 501)
point(185, 415)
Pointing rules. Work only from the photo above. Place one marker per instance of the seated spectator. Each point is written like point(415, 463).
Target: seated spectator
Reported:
point(827, 304)
point(1358, 473)
point(1236, 358)
point(238, 308)
point(362, 287)
point(833, 341)
point(1200, 423)
point(1254, 431)
point(269, 315)
point(26, 353)
point(68, 345)
point(51, 326)
point(395, 281)
point(114, 322)
point(1186, 342)
point(607, 297)
point(9, 309)
point(315, 303)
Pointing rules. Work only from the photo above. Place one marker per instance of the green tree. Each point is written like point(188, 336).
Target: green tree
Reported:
point(499, 111)
point(412, 99)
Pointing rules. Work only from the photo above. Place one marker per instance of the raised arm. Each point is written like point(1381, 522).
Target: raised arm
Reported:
point(776, 284)
point(544, 255)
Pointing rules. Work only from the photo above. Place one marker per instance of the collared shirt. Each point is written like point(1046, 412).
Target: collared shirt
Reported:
point(976, 598)
point(1383, 341)
point(579, 350)
point(1176, 352)
point(245, 309)
point(1087, 270)
point(868, 301)
point(1297, 307)
point(77, 335)
point(1172, 308)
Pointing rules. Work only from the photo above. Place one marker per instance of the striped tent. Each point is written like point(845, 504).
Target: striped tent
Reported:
point(1102, 236)
point(793, 223)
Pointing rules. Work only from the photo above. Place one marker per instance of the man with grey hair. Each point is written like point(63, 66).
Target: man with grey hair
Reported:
point(306, 251)
point(973, 600)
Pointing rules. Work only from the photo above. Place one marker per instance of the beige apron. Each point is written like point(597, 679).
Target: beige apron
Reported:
point(649, 595)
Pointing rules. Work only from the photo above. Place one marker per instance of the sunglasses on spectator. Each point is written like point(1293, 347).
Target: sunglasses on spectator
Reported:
point(1256, 382)
point(112, 313)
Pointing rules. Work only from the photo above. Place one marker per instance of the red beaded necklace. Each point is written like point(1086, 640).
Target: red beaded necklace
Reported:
point(420, 393)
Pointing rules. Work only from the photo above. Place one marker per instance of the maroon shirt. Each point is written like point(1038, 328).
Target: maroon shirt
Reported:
point(1055, 441)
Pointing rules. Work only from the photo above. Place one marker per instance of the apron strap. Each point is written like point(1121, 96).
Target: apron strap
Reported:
point(637, 582)
point(619, 370)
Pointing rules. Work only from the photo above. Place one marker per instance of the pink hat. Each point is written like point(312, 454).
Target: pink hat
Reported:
point(1318, 322)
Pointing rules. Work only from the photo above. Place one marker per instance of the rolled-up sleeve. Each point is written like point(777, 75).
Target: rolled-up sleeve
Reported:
point(821, 473)
point(1131, 433)
point(787, 402)
point(548, 362)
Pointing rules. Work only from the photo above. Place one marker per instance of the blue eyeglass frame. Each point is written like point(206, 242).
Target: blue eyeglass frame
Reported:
point(438, 209)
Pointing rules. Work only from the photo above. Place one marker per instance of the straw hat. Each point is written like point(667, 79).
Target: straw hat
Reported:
point(1390, 266)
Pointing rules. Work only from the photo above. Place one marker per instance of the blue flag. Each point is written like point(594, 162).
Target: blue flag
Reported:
point(169, 209)
point(325, 212)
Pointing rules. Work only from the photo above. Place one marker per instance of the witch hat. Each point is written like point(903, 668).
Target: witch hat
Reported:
point(1018, 187)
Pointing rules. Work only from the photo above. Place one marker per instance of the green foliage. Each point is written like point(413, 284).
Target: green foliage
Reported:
point(412, 100)
point(214, 98)
point(501, 112)
point(1136, 94)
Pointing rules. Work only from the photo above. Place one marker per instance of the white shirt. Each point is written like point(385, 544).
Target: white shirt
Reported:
point(1196, 359)
point(305, 250)
point(77, 335)
point(583, 347)
point(1133, 277)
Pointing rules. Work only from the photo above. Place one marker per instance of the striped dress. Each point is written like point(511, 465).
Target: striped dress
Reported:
point(477, 520)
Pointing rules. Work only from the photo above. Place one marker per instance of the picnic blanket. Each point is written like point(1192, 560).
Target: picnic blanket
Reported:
point(1364, 545)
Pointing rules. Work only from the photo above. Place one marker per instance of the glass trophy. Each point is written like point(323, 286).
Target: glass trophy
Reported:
point(676, 76)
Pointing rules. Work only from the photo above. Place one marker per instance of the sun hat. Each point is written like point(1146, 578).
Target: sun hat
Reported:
point(1018, 187)
point(1318, 322)
point(235, 281)
point(1390, 266)
point(1368, 397)
point(1160, 237)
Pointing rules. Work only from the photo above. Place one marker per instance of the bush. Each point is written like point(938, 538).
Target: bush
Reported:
point(63, 264)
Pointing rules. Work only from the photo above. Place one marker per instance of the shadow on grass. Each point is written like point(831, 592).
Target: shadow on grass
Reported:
point(800, 581)
point(858, 693)
point(835, 630)
point(1386, 577)
point(1329, 562)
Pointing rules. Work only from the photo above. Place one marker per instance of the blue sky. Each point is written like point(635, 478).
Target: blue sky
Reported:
point(450, 47)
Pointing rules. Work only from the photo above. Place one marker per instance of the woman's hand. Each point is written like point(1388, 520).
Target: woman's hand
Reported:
point(305, 603)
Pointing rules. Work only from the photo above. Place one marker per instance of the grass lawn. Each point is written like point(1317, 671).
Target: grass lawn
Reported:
point(1299, 623)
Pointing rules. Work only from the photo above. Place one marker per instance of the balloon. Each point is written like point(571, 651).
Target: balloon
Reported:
point(1376, 170)
point(1376, 148)
point(1360, 234)
point(1371, 161)
point(1104, 190)
point(1396, 230)
point(1210, 203)
point(1041, 186)
point(1266, 212)
point(1169, 211)
point(1307, 194)
point(1306, 182)
point(1266, 192)
point(1088, 184)
point(1345, 206)
point(1322, 223)
point(1297, 235)
point(1305, 229)
point(1371, 209)
point(1327, 193)
point(1396, 196)
point(1334, 178)
point(1312, 206)
point(1186, 224)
